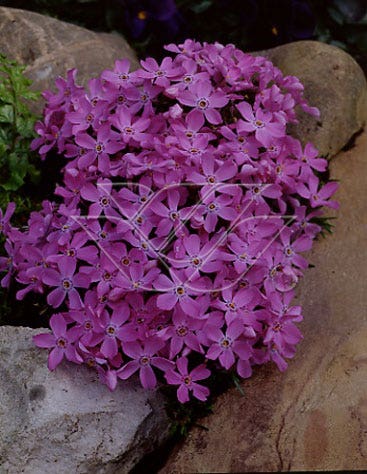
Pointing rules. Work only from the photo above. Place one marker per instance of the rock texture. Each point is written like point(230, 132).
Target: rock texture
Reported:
point(314, 416)
point(50, 47)
point(334, 83)
point(66, 421)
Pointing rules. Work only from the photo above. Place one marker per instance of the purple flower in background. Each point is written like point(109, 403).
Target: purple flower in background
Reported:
point(147, 16)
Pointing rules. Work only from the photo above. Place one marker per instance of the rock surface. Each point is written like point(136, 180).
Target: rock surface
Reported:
point(334, 83)
point(314, 416)
point(50, 47)
point(66, 421)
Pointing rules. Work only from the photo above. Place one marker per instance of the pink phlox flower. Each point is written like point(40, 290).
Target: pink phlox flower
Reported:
point(85, 115)
point(189, 75)
point(61, 342)
point(66, 282)
point(111, 329)
point(260, 122)
point(213, 208)
point(144, 358)
point(132, 129)
point(161, 74)
point(292, 246)
point(187, 380)
point(203, 98)
point(182, 333)
point(120, 75)
point(175, 291)
point(318, 197)
point(227, 345)
point(67, 91)
point(107, 143)
point(200, 255)
point(5, 218)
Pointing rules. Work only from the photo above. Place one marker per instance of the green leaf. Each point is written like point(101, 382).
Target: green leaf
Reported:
point(201, 7)
point(6, 114)
point(336, 16)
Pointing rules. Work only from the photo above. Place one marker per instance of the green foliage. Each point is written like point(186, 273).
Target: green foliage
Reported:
point(16, 133)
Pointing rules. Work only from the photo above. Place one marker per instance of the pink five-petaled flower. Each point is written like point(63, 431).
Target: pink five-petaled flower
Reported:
point(187, 380)
point(160, 74)
point(260, 122)
point(226, 345)
point(66, 283)
point(144, 357)
point(203, 98)
point(61, 342)
point(111, 328)
point(318, 197)
point(4, 219)
point(98, 148)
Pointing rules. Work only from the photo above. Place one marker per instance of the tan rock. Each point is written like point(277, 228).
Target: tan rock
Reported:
point(334, 83)
point(50, 47)
point(314, 416)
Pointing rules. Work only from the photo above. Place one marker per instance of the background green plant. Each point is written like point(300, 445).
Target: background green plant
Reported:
point(17, 162)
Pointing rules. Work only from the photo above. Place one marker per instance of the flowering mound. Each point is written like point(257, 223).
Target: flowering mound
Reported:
point(185, 205)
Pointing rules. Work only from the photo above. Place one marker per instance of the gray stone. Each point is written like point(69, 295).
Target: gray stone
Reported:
point(334, 83)
point(49, 47)
point(66, 421)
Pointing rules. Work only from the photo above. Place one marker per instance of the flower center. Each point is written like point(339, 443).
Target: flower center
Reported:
point(225, 343)
point(144, 360)
point(125, 261)
point(99, 147)
point(181, 331)
point(259, 123)
point(104, 201)
point(180, 290)
point(196, 261)
point(129, 130)
point(70, 252)
point(89, 117)
point(277, 326)
point(203, 103)
point(211, 179)
point(88, 325)
point(61, 342)
point(67, 284)
point(110, 330)
point(187, 380)
point(107, 276)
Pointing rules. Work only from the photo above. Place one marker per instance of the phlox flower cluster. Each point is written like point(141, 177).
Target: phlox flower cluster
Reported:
point(174, 242)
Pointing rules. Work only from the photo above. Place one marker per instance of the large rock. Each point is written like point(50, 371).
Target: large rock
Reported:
point(49, 47)
point(334, 83)
point(314, 416)
point(66, 421)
